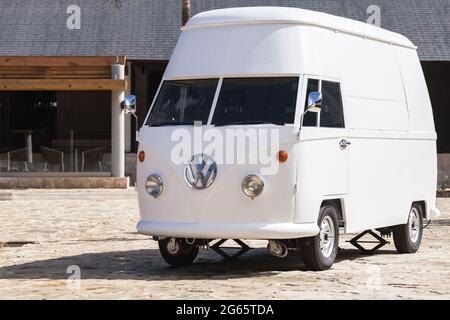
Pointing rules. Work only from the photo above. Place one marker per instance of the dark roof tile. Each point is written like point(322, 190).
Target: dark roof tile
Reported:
point(149, 29)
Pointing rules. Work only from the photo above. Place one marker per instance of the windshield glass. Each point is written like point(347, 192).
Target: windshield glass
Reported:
point(183, 102)
point(256, 100)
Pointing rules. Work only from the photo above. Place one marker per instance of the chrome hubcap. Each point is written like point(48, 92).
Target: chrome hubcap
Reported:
point(173, 246)
point(327, 235)
point(414, 225)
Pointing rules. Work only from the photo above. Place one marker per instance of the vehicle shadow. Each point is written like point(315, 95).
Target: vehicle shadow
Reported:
point(441, 222)
point(148, 265)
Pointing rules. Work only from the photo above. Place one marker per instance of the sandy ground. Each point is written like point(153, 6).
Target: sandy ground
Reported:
point(90, 235)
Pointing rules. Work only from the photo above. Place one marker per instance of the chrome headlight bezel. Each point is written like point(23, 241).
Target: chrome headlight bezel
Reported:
point(252, 185)
point(154, 185)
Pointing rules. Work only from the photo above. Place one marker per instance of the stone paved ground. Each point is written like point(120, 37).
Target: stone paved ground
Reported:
point(94, 230)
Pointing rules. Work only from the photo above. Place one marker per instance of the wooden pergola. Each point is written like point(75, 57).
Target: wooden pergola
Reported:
point(81, 73)
point(19, 73)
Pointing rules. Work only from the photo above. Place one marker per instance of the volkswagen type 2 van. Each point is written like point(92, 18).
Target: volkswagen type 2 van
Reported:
point(354, 149)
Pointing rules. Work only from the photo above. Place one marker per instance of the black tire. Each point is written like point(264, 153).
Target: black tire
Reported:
point(407, 240)
point(313, 256)
point(185, 255)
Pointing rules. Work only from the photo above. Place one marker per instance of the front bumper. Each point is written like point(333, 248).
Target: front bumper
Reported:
point(262, 231)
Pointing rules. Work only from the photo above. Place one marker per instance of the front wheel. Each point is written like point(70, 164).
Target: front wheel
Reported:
point(407, 237)
point(177, 252)
point(319, 252)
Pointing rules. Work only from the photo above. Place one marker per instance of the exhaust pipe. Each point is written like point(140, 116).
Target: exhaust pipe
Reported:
point(277, 248)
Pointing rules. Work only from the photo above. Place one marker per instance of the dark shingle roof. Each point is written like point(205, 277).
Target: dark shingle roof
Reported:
point(149, 29)
point(140, 29)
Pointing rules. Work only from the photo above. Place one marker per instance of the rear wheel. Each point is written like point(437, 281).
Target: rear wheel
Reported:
point(407, 237)
point(319, 252)
point(177, 252)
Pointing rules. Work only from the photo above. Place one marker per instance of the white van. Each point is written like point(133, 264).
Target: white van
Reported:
point(356, 147)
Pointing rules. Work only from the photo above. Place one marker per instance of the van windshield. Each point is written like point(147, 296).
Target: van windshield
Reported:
point(256, 100)
point(181, 102)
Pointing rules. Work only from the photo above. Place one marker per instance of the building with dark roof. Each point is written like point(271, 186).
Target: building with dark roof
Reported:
point(146, 32)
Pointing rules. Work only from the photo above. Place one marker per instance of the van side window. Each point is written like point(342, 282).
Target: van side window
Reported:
point(310, 118)
point(331, 113)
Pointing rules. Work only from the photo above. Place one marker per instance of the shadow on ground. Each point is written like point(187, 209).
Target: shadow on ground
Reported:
point(148, 265)
point(441, 222)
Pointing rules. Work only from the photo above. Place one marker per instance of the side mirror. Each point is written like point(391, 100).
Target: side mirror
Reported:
point(314, 105)
point(314, 102)
point(129, 104)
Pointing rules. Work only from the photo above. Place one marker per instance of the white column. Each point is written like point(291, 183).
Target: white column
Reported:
point(117, 125)
point(128, 117)
point(29, 144)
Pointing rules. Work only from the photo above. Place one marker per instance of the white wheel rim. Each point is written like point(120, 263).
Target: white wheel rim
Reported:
point(173, 246)
point(414, 225)
point(327, 236)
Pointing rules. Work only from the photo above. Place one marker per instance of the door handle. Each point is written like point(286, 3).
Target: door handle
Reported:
point(344, 143)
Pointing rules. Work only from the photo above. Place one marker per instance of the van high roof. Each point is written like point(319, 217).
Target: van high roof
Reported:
point(283, 15)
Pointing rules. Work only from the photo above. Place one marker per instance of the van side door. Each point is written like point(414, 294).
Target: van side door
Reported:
point(323, 167)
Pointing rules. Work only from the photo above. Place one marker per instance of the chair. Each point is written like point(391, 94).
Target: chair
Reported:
point(19, 155)
point(92, 156)
point(52, 156)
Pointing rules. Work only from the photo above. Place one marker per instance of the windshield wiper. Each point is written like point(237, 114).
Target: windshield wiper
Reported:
point(231, 123)
point(171, 123)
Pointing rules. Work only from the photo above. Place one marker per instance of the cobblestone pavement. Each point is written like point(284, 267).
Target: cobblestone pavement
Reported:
point(93, 232)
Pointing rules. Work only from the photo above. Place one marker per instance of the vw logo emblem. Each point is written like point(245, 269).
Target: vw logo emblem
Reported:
point(200, 172)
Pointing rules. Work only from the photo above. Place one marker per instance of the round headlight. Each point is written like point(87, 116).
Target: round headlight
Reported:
point(154, 185)
point(252, 185)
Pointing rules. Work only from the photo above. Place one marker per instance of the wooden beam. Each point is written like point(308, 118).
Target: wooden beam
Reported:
point(60, 61)
point(62, 84)
point(96, 72)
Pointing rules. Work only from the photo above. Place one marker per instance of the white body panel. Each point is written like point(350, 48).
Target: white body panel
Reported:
point(390, 164)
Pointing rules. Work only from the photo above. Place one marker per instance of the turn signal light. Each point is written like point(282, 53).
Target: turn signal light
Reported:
point(282, 156)
point(141, 156)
